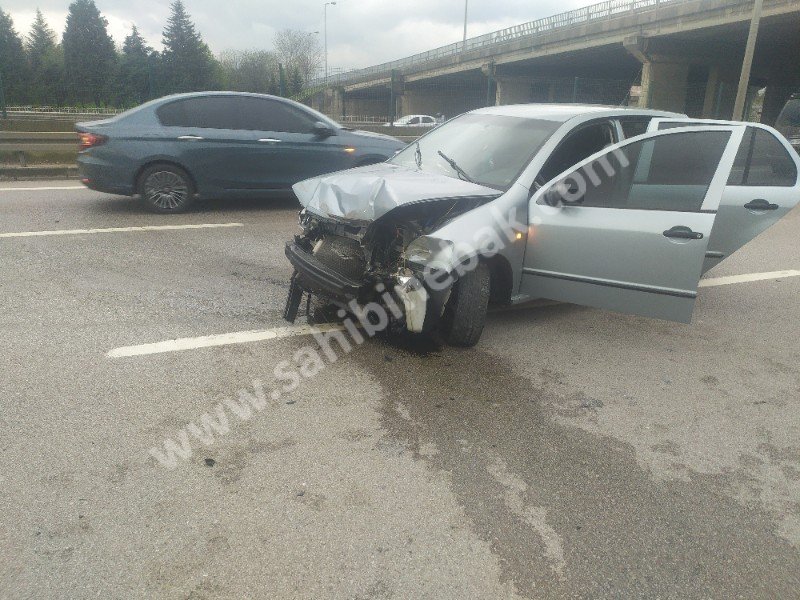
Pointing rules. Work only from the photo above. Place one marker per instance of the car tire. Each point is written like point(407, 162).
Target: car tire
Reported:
point(165, 188)
point(465, 313)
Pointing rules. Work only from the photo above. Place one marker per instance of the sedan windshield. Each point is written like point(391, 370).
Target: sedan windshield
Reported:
point(491, 150)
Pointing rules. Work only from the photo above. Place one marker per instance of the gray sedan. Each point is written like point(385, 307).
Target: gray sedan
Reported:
point(218, 145)
point(613, 208)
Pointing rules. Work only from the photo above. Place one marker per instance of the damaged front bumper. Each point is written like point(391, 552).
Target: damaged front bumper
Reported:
point(420, 308)
point(316, 278)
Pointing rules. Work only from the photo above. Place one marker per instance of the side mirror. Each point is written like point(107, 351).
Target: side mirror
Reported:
point(558, 195)
point(322, 130)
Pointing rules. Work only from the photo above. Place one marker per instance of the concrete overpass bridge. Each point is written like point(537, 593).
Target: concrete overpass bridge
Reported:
point(682, 55)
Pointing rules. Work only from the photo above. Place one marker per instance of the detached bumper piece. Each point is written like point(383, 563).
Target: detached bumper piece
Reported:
point(313, 276)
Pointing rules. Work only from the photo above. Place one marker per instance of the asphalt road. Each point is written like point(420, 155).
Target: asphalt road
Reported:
point(574, 453)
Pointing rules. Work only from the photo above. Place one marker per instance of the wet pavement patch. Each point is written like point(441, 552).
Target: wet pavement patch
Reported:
point(567, 512)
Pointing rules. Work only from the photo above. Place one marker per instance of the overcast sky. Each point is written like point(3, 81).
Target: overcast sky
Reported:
point(360, 32)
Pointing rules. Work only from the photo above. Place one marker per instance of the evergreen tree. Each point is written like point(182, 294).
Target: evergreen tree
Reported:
point(12, 62)
point(188, 64)
point(41, 41)
point(45, 63)
point(89, 53)
point(136, 70)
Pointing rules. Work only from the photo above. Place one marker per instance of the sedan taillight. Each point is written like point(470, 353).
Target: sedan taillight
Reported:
point(88, 140)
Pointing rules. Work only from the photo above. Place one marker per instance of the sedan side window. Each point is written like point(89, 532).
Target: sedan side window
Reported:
point(206, 112)
point(762, 160)
point(414, 121)
point(671, 173)
point(260, 114)
point(633, 127)
point(577, 146)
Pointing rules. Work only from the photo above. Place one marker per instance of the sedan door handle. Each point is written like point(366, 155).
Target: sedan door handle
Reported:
point(270, 140)
point(190, 138)
point(682, 232)
point(761, 204)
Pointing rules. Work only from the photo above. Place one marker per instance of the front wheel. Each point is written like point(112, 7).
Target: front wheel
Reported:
point(166, 189)
point(465, 313)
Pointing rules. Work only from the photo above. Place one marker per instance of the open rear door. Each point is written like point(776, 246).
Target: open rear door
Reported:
point(627, 229)
point(762, 188)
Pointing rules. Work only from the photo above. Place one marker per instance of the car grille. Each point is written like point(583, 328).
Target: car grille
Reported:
point(342, 255)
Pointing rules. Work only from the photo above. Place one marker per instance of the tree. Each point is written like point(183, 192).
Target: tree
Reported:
point(249, 71)
point(46, 64)
point(135, 75)
point(89, 53)
point(13, 69)
point(188, 64)
point(296, 82)
point(299, 50)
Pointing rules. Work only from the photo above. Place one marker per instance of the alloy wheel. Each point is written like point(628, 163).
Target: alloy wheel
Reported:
point(166, 190)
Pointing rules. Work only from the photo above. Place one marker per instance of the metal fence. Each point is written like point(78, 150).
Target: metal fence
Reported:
point(56, 112)
point(581, 16)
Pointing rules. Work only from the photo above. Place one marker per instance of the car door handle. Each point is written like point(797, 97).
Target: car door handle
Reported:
point(682, 232)
point(190, 138)
point(761, 204)
point(270, 140)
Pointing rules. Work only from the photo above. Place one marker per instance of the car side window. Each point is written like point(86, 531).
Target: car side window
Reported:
point(670, 173)
point(414, 121)
point(762, 160)
point(631, 127)
point(207, 112)
point(263, 114)
point(577, 146)
point(427, 120)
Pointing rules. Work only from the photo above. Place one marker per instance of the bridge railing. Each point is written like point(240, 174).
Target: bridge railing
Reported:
point(580, 16)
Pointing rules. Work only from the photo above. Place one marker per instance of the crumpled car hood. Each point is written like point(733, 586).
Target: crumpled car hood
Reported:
point(367, 193)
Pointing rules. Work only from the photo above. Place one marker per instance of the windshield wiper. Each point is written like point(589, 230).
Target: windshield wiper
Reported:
point(454, 165)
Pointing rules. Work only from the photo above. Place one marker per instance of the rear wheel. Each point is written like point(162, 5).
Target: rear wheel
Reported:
point(166, 188)
point(465, 313)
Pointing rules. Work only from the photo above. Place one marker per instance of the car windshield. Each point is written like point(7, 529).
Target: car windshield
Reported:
point(491, 150)
point(789, 119)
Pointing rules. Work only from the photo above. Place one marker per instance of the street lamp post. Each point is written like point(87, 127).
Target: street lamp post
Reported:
point(466, 6)
point(325, 28)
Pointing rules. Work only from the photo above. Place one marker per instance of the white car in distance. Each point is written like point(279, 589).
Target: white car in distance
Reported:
point(414, 121)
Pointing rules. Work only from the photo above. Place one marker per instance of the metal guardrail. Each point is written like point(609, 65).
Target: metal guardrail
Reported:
point(580, 16)
point(61, 112)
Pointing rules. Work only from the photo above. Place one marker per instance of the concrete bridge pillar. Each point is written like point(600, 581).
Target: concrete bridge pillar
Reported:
point(513, 90)
point(330, 101)
point(664, 85)
point(665, 79)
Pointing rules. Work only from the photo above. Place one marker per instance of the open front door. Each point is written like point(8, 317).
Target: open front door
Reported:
point(628, 228)
point(762, 188)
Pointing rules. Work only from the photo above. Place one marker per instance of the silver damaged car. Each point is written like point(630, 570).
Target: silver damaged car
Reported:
point(621, 209)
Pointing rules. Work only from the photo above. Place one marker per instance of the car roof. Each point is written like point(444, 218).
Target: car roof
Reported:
point(566, 112)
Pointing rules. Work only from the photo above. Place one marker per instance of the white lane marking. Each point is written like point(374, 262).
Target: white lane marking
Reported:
point(715, 281)
point(46, 188)
point(259, 335)
point(223, 339)
point(118, 229)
